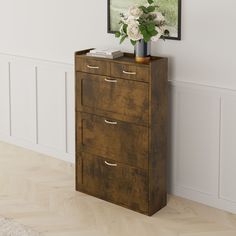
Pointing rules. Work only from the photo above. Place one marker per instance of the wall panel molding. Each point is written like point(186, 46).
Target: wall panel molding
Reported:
point(37, 105)
point(227, 174)
point(197, 124)
point(23, 103)
point(202, 144)
point(193, 84)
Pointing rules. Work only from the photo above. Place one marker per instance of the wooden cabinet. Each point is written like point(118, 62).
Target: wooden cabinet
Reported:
point(121, 130)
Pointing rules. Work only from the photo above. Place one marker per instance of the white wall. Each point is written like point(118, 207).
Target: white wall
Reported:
point(202, 84)
point(54, 29)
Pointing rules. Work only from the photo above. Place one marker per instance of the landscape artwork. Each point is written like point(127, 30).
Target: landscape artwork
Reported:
point(170, 8)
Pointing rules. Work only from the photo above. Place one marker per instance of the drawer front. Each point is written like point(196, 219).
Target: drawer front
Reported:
point(119, 141)
point(92, 66)
point(117, 96)
point(131, 72)
point(117, 183)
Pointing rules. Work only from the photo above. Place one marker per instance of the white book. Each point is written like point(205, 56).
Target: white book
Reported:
point(117, 55)
point(105, 51)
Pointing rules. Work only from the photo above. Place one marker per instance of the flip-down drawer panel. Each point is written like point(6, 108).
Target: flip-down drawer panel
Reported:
point(119, 141)
point(119, 97)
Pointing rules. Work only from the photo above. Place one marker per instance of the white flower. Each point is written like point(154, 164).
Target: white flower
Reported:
point(160, 31)
point(135, 12)
point(159, 17)
point(131, 20)
point(134, 32)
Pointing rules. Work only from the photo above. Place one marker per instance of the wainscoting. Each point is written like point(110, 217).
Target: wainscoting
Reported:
point(37, 105)
point(203, 144)
point(37, 112)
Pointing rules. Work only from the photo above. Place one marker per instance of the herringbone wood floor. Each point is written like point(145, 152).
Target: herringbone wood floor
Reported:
point(38, 191)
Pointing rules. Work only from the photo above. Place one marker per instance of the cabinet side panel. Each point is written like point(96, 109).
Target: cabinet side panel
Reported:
point(78, 128)
point(158, 135)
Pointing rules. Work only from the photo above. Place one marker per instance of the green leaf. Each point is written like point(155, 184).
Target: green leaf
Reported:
point(150, 1)
point(144, 9)
point(153, 33)
point(125, 26)
point(151, 9)
point(123, 39)
point(142, 27)
point(133, 42)
point(150, 26)
point(117, 34)
point(144, 33)
point(146, 36)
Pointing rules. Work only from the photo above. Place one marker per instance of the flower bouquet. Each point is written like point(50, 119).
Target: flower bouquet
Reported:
point(142, 24)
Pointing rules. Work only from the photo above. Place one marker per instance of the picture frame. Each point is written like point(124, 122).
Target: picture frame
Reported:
point(175, 34)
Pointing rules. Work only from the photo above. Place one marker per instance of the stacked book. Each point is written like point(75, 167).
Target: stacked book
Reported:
point(105, 53)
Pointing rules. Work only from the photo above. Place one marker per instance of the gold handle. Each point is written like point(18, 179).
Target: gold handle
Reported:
point(129, 72)
point(111, 80)
point(110, 164)
point(110, 122)
point(92, 67)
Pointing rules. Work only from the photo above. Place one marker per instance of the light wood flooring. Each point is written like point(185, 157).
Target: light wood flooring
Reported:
point(38, 191)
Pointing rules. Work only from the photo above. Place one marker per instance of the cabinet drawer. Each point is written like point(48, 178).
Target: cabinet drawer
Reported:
point(132, 72)
point(119, 141)
point(92, 66)
point(115, 182)
point(123, 98)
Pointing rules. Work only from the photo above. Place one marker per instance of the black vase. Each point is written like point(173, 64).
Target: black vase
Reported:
point(142, 51)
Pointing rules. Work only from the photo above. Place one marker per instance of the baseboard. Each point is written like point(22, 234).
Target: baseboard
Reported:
point(205, 199)
point(68, 157)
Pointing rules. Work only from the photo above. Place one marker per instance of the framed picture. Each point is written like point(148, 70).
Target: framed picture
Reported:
point(170, 8)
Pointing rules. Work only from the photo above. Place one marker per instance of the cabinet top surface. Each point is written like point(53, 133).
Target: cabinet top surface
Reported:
point(127, 58)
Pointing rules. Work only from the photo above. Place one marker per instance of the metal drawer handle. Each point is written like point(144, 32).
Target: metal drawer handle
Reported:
point(110, 164)
point(92, 67)
point(129, 72)
point(110, 122)
point(111, 80)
